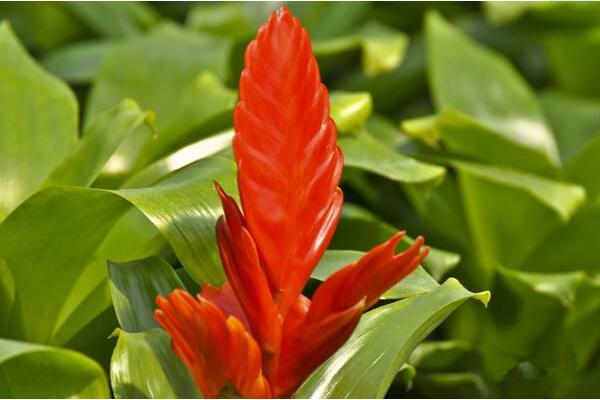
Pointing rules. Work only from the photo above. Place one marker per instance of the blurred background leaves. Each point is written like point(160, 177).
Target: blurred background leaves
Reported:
point(476, 125)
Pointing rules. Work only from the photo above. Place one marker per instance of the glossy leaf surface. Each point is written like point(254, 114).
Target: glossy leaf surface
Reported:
point(144, 366)
point(366, 365)
point(34, 371)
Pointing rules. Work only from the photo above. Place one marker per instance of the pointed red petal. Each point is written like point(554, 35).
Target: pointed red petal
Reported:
point(369, 277)
point(242, 266)
point(245, 363)
point(289, 164)
point(199, 335)
point(314, 341)
point(216, 350)
point(224, 297)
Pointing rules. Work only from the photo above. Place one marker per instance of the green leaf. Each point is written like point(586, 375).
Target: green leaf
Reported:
point(205, 105)
point(418, 282)
point(7, 293)
point(186, 155)
point(395, 87)
point(42, 26)
point(365, 366)
point(575, 121)
point(118, 19)
point(469, 385)
point(144, 366)
point(460, 71)
point(34, 371)
point(77, 63)
point(350, 110)
point(181, 99)
point(535, 205)
point(98, 144)
point(467, 137)
point(525, 321)
point(581, 169)
point(572, 254)
point(134, 287)
point(358, 229)
point(43, 230)
point(571, 58)
point(383, 48)
point(238, 21)
point(366, 153)
point(38, 125)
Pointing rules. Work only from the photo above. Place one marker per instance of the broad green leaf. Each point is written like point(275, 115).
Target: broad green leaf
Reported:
point(382, 48)
point(465, 136)
point(7, 293)
point(325, 20)
point(468, 385)
point(398, 86)
point(418, 282)
point(185, 207)
point(134, 287)
point(118, 19)
point(77, 63)
point(449, 355)
point(42, 26)
point(205, 105)
point(180, 158)
point(541, 13)
point(365, 366)
point(38, 124)
point(136, 68)
point(98, 144)
point(182, 99)
point(524, 322)
point(481, 84)
point(30, 370)
point(576, 251)
point(350, 110)
point(143, 365)
point(582, 168)
point(572, 59)
point(575, 120)
point(366, 153)
point(534, 205)
point(44, 239)
point(358, 229)
point(44, 230)
point(238, 21)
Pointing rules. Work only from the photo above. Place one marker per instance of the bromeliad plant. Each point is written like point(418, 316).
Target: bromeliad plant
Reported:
point(258, 335)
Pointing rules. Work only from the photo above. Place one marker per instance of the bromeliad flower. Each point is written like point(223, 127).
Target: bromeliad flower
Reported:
point(258, 335)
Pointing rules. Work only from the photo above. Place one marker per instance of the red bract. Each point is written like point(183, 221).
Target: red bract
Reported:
point(258, 333)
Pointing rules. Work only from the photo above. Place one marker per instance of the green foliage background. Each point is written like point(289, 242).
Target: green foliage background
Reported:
point(475, 125)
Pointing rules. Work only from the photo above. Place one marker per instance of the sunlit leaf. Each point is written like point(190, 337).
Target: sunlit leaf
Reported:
point(366, 365)
point(366, 153)
point(482, 84)
point(38, 124)
point(77, 63)
point(35, 371)
point(98, 144)
point(43, 231)
point(134, 287)
point(144, 366)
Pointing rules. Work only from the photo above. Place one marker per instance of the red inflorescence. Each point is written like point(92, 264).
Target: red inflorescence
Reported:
point(258, 335)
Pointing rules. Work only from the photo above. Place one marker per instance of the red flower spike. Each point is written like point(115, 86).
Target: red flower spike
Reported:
point(289, 164)
point(289, 168)
point(216, 350)
point(243, 269)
